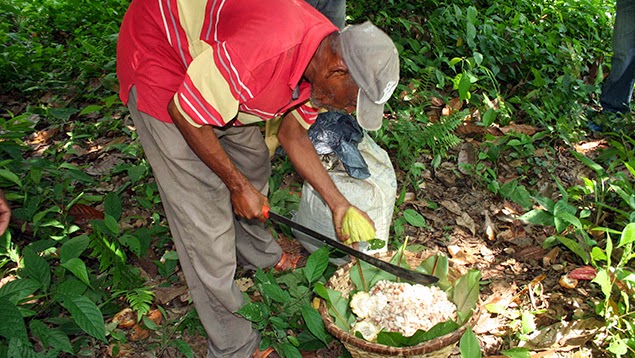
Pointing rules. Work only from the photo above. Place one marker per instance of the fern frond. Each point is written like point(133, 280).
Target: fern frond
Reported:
point(140, 299)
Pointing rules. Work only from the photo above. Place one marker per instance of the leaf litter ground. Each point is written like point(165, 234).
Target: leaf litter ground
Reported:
point(475, 228)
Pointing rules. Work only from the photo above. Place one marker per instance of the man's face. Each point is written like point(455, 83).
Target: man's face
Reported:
point(337, 93)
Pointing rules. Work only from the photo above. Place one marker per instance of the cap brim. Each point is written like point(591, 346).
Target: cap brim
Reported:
point(369, 113)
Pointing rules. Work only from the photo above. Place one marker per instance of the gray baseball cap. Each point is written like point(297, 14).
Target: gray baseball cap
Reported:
point(373, 62)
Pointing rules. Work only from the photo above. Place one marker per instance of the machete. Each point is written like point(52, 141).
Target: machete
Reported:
point(404, 273)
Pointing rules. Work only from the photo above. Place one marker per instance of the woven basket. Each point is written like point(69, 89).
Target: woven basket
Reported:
point(359, 348)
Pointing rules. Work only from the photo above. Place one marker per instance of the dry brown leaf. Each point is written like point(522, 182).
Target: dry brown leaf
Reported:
point(495, 131)
point(437, 102)
point(409, 197)
point(551, 257)
point(466, 157)
point(44, 136)
point(104, 166)
point(467, 222)
point(453, 250)
point(512, 208)
point(455, 104)
point(123, 350)
point(470, 129)
point(244, 283)
point(83, 213)
point(520, 128)
point(490, 228)
point(563, 335)
point(530, 253)
point(586, 147)
point(452, 206)
point(434, 115)
point(165, 295)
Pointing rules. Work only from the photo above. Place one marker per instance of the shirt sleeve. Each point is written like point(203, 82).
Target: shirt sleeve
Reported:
point(306, 114)
point(204, 97)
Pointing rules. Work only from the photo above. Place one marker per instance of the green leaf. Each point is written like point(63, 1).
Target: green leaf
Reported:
point(603, 279)
point(289, 351)
point(339, 309)
point(571, 219)
point(19, 289)
point(628, 235)
point(279, 323)
point(183, 347)
point(414, 218)
point(37, 268)
point(469, 345)
point(136, 172)
point(316, 264)
point(598, 254)
point(478, 58)
point(546, 203)
point(436, 265)
point(21, 348)
point(51, 337)
point(12, 322)
point(528, 323)
point(575, 247)
point(371, 275)
point(131, 242)
point(112, 205)
point(471, 14)
point(78, 268)
point(62, 113)
point(71, 287)
point(149, 323)
point(275, 292)
point(538, 217)
point(111, 224)
point(517, 353)
point(489, 117)
point(254, 311)
point(588, 162)
point(73, 247)
point(93, 108)
point(396, 339)
point(464, 87)
point(314, 322)
point(11, 177)
point(465, 294)
point(86, 315)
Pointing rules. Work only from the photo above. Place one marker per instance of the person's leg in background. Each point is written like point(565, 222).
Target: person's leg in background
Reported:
point(618, 87)
point(334, 10)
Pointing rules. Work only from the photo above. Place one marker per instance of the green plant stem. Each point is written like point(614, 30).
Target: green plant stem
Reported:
point(361, 276)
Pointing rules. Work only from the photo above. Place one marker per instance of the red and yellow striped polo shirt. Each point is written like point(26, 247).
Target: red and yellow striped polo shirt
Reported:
point(220, 59)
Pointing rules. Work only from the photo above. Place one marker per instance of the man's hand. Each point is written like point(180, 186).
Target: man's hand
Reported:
point(5, 213)
point(247, 201)
point(296, 143)
point(357, 226)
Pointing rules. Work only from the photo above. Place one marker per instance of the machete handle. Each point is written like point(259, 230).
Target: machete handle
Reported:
point(265, 211)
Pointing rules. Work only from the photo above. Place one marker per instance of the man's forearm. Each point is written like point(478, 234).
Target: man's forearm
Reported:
point(296, 143)
point(205, 144)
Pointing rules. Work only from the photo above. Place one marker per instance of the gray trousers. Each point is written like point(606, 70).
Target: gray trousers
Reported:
point(334, 10)
point(209, 239)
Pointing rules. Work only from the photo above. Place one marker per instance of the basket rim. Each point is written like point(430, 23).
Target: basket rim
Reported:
point(432, 345)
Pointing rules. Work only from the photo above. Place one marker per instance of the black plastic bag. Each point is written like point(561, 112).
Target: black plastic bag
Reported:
point(340, 133)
